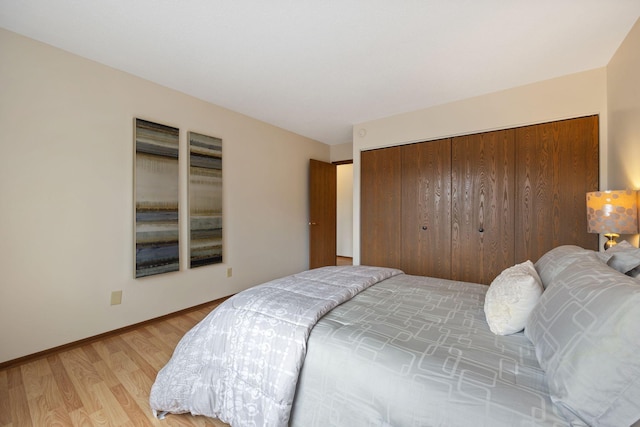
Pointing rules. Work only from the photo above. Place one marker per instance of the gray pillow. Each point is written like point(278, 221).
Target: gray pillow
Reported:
point(586, 332)
point(558, 258)
point(625, 258)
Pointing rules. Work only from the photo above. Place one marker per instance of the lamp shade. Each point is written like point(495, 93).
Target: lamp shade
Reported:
point(612, 212)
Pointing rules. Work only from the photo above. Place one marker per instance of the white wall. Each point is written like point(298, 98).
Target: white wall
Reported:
point(344, 240)
point(623, 90)
point(66, 179)
point(565, 97)
point(344, 208)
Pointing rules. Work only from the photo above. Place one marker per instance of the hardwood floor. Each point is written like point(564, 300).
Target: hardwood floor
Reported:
point(343, 260)
point(105, 382)
point(101, 383)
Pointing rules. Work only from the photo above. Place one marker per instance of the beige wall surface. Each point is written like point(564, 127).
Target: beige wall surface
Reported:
point(66, 181)
point(342, 152)
point(67, 168)
point(623, 91)
point(623, 96)
point(575, 95)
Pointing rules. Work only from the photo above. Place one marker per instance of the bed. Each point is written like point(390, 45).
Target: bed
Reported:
point(555, 344)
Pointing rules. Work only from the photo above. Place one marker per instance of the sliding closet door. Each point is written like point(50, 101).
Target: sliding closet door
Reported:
point(380, 207)
point(557, 164)
point(426, 208)
point(483, 179)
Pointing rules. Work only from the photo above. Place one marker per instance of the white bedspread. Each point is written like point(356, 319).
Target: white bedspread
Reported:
point(241, 363)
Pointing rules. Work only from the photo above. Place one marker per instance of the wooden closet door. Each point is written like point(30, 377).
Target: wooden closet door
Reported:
point(380, 207)
point(426, 208)
point(483, 179)
point(556, 165)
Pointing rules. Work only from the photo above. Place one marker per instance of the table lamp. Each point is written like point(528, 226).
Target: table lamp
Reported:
point(612, 213)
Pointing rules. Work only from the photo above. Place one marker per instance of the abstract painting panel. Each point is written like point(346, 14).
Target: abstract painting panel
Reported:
point(205, 200)
point(156, 198)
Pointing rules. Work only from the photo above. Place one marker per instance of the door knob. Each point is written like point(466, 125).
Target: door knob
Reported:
point(313, 223)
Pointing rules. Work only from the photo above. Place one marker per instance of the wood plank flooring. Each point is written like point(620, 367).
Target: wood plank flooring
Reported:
point(343, 260)
point(101, 383)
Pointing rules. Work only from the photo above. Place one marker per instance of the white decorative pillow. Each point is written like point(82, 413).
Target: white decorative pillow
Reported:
point(625, 258)
point(511, 297)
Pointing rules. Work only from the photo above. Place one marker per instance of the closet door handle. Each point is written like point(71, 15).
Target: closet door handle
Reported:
point(424, 227)
point(481, 230)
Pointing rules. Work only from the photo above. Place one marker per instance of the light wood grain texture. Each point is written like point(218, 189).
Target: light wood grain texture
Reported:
point(344, 260)
point(101, 383)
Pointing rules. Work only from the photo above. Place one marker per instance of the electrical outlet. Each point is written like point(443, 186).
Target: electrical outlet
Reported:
point(229, 272)
point(116, 297)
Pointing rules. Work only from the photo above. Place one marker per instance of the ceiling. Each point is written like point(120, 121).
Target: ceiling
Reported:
point(319, 67)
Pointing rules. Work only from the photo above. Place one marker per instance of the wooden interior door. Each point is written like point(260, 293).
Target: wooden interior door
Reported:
point(426, 208)
point(322, 213)
point(483, 186)
point(380, 207)
point(557, 164)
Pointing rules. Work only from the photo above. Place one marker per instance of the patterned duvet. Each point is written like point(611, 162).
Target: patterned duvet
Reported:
point(417, 351)
point(241, 363)
point(388, 349)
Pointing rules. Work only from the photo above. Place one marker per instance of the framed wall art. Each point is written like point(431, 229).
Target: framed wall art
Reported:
point(205, 200)
point(156, 198)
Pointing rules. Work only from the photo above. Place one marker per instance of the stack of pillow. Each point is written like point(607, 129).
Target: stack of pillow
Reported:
point(625, 259)
point(581, 311)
